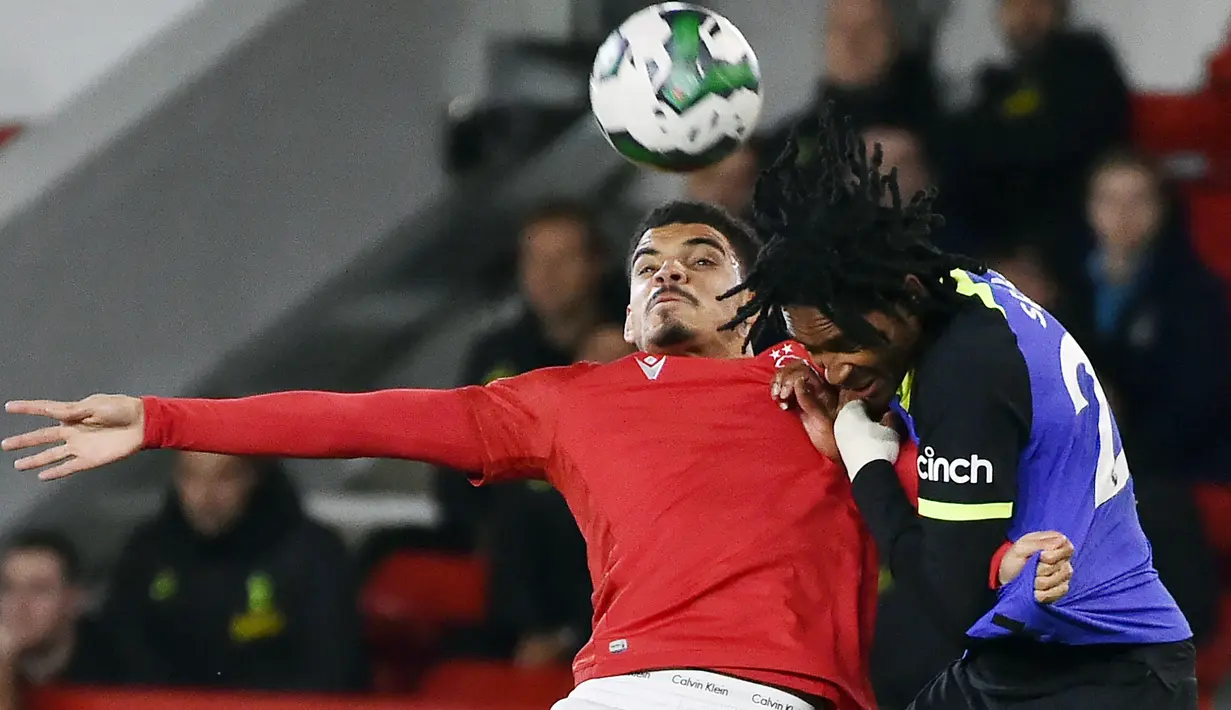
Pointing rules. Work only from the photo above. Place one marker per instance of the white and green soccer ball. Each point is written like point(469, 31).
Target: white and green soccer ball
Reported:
point(676, 87)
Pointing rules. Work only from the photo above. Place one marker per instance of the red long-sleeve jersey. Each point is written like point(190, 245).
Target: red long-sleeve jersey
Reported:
point(718, 537)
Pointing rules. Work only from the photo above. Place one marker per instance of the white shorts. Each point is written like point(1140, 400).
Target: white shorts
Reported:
point(677, 690)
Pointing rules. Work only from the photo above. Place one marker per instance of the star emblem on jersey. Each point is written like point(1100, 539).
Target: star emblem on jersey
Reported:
point(651, 366)
point(782, 355)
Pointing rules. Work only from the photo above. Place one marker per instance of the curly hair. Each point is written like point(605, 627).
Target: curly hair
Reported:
point(840, 238)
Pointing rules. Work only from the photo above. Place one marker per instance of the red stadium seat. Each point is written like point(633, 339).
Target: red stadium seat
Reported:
point(488, 685)
point(1214, 503)
point(409, 602)
point(1210, 214)
point(432, 586)
point(1174, 123)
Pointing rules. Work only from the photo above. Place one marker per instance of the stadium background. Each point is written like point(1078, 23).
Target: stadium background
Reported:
point(233, 196)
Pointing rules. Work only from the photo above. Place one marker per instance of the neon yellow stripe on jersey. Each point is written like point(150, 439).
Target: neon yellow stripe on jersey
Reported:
point(905, 389)
point(969, 287)
point(964, 512)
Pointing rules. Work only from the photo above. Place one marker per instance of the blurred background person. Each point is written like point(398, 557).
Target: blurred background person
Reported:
point(1020, 154)
point(233, 586)
point(1149, 304)
point(869, 75)
point(44, 636)
point(904, 148)
point(564, 277)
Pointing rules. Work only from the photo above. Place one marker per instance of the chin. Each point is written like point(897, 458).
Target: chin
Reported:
point(671, 334)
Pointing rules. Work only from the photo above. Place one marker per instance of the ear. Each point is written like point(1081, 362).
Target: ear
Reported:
point(629, 336)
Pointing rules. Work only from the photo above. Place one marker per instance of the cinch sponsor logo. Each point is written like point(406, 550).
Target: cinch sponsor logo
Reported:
point(971, 470)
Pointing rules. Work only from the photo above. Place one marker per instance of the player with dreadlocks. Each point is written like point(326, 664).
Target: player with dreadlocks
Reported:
point(1013, 429)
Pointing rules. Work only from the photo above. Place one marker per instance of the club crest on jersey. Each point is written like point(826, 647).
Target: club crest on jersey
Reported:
point(783, 354)
point(651, 366)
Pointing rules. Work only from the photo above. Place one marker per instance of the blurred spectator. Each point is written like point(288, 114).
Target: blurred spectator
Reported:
point(869, 77)
point(1150, 304)
point(43, 637)
point(563, 265)
point(1155, 323)
point(867, 74)
point(1037, 124)
point(233, 586)
point(903, 148)
point(728, 183)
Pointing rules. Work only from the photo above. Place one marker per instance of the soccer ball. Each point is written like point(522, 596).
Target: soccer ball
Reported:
point(676, 87)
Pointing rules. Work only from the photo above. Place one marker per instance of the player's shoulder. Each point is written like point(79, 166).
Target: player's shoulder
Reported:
point(546, 377)
point(976, 349)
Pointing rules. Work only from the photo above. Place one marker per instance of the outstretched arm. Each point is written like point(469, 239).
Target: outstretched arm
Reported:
point(435, 426)
point(501, 429)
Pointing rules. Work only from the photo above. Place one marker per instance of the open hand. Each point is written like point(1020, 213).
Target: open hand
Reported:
point(1055, 568)
point(797, 385)
point(89, 433)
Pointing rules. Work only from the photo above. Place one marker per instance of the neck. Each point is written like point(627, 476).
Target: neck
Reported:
point(565, 331)
point(45, 661)
point(720, 349)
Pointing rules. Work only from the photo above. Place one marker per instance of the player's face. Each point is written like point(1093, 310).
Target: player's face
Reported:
point(678, 273)
point(871, 374)
point(36, 600)
point(213, 490)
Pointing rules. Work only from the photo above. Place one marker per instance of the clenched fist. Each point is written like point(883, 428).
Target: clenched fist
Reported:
point(1055, 568)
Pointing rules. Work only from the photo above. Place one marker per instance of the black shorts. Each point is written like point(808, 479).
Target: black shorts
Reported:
point(1014, 675)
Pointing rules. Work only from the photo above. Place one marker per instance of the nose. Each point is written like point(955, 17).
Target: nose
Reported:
point(670, 272)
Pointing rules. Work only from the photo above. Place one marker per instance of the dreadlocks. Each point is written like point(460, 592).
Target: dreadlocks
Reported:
point(840, 238)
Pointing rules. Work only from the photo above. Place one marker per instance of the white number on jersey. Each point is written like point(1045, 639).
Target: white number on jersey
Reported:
point(1111, 472)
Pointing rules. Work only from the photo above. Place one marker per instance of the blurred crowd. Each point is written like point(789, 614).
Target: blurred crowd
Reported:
point(232, 585)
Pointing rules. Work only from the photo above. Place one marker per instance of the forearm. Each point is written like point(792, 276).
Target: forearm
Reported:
point(946, 565)
point(435, 426)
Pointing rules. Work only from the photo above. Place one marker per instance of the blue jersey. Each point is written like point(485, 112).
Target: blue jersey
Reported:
point(1015, 435)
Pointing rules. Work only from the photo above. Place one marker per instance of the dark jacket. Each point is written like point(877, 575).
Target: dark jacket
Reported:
point(1023, 151)
point(269, 605)
point(906, 97)
point(93, 661)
